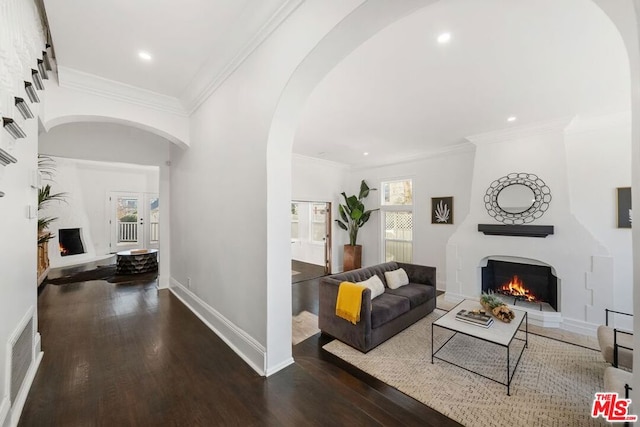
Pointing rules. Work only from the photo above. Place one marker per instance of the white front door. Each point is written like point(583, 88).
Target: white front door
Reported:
point(134, 221)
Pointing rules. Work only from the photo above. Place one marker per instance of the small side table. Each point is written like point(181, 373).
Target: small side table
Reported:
point(137, 262)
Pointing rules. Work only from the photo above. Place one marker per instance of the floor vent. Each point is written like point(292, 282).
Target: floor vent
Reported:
point(21, 358)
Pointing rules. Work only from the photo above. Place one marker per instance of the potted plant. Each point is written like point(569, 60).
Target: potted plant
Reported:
point(354, 216)
point(46, 167)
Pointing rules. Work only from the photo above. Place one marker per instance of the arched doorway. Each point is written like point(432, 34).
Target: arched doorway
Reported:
point(368, 19)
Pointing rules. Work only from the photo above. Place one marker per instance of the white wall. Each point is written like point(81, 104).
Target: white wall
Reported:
point(441, 175)
point(321, 181)
point(599, 161)
point(21, 43)
point(88, 185)
point(248, 303)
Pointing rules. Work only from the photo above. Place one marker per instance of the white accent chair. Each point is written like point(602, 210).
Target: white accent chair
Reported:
point(616, 345)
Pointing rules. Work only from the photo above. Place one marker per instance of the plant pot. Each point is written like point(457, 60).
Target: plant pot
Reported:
point(352, 257)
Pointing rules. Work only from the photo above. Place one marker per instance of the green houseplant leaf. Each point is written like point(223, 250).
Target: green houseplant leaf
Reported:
point(353, 214)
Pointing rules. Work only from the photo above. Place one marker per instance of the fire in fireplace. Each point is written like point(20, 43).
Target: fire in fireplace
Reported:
point(70, 241)
point(529, 285)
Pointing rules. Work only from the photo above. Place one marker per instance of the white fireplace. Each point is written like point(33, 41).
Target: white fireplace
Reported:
point(582, 265)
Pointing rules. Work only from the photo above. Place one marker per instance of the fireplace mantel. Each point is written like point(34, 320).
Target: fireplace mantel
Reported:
point(516, 230)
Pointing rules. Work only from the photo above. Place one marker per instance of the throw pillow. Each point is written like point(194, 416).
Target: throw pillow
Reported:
point(375, 284)
point(396, 278)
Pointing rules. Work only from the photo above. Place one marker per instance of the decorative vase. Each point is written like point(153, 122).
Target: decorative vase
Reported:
point(352, 257)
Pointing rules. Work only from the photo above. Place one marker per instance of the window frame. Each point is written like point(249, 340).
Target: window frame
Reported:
point(387, 208)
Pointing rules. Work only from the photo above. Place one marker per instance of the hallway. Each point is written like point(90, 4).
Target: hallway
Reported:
point(128, 354)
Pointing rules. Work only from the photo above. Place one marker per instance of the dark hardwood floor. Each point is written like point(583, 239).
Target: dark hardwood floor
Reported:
point(130, 355)
point(305, 271)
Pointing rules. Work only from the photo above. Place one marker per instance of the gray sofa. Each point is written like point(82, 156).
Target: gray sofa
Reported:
point(387, 314)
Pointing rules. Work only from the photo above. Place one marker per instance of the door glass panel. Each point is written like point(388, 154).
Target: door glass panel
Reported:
point(154, 220)
point(127, 214)
point(318, 222)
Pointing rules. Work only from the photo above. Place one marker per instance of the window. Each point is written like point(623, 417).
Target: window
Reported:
point(397, 193)
point(397, 211)
point(318, 222)
point(294, 221)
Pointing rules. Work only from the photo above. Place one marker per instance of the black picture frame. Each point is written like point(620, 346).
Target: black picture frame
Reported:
point(442, 210)
point(624, 207)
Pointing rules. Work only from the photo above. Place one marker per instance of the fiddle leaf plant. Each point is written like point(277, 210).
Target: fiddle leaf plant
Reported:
point(353, 214)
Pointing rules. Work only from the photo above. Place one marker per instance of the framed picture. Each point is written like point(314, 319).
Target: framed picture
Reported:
point(624, 207)
point(442, 210)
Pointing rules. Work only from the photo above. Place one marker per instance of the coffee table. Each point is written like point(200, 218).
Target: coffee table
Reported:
point(499, 333)
point(136, 262)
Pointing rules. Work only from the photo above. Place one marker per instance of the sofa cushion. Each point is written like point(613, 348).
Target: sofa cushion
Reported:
point(375, 284)
point(396, 278)
point(417, 294)
point(364, 273)
point(387, 307)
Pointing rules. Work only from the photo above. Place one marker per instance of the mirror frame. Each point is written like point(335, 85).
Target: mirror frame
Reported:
point(541, 192)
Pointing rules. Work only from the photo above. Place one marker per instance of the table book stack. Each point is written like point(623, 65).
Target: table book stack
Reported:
point(477, 318)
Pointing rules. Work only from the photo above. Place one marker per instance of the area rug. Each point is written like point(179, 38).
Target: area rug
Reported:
point(554, 384)
point(303, 326)
point(102, 272)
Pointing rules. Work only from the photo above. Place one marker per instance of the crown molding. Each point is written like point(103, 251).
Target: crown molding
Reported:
point(6, 158)
point(521, 132)
point(444, 151)
point(595, 123)
point(202, 86)
point(95, 85)
point(319, 161)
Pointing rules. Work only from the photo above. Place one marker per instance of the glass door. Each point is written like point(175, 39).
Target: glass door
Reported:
point(151, 221)
point(134, 221)
point(127, 231)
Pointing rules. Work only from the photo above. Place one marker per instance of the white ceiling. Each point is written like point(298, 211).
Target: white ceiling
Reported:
point(103, 37)
point(399, 95)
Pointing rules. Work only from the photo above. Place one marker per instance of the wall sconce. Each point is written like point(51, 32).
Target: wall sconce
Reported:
point(23, 108)
point(31, 92)
point(47, 62)
point(12, 127)
point(6, 158)
point(37, 80)
point(42, 69)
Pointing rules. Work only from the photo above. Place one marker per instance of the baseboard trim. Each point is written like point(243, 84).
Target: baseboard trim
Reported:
point(579, 327)
point(245, 346)
point(280, 367)
point(21, 398)
point(4, 411)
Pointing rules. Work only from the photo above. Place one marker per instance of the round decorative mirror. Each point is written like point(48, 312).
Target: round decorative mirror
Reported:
point(517, 198)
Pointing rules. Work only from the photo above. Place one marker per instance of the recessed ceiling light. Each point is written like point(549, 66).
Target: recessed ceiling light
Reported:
point(365, 154)
point(444, 38)
point(144, 55)
point(511, 118)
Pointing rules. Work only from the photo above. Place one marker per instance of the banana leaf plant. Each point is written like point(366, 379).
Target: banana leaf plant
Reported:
point(353, 212)
point(45, 196)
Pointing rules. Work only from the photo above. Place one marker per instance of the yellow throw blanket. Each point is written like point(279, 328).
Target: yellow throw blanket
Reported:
point(349, 301)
